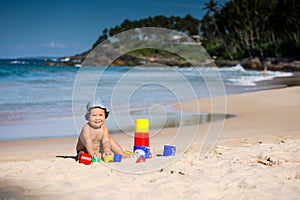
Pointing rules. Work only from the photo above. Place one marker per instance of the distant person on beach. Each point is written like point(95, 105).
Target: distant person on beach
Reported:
point(94, 138)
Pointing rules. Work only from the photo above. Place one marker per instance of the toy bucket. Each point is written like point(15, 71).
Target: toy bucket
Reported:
point(169, 150)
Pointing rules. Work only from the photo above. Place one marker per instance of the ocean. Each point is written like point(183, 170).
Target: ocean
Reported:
point(31, 91)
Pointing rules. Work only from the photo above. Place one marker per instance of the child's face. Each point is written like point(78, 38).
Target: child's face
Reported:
point(96, 117)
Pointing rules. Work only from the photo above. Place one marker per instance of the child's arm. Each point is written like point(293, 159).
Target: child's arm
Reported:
point(106, 142)
point(87, 141)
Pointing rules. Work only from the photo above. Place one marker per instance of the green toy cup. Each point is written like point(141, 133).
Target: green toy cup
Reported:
point(96, 159)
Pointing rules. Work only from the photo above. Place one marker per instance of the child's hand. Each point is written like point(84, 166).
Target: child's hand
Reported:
point(107, 152)
point(97, 155)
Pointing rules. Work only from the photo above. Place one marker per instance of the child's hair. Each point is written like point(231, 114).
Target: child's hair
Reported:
point(95, 103)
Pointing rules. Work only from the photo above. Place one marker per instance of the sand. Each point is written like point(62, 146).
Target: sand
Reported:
point(256, 155)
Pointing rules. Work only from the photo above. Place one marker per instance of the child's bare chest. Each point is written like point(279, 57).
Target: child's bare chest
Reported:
point(96, 135)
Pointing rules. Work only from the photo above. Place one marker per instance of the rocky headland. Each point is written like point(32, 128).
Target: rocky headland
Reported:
point(288, 64)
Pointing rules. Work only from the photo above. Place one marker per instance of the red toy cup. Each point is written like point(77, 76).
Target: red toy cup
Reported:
point(85, 158)
point(141, 139)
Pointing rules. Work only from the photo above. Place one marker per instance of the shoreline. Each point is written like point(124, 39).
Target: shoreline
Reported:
point(189, 106)
point(282, 83)
point(68, 129)
point(290, 81)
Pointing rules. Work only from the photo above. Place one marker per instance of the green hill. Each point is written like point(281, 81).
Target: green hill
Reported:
point(264, 29)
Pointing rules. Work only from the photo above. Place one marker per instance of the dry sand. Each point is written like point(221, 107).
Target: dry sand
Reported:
point(257, 156)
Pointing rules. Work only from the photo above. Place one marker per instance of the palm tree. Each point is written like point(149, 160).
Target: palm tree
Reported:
point(212, 9)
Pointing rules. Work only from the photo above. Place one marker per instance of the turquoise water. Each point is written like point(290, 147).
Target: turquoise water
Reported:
point(35, 91)
point(30, 90)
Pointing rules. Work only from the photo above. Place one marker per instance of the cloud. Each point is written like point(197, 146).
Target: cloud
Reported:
point(57, 45)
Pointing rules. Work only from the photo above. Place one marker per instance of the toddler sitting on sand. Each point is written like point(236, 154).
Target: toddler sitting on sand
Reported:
point(94, 138)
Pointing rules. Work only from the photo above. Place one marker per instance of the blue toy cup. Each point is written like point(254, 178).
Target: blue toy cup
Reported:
point(169, 150)
point(144, 149)
point(117, 158)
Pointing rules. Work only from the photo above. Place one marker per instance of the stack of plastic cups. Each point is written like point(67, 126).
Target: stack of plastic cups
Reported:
point(141, 137)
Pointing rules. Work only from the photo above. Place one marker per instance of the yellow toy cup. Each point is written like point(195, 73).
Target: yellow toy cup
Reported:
point(109, 158)
point(142, 125)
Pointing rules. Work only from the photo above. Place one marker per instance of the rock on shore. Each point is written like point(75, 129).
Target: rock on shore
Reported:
point(275, 64)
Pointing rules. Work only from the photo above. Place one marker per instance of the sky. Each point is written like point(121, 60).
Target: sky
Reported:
point(58, 28)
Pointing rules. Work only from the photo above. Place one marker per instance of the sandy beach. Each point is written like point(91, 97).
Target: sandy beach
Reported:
point(257, 156)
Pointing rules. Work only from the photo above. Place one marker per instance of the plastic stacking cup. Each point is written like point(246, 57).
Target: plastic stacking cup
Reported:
point(144, 150)
point(169, 150)
point(142, 125)
point(141, 139)
point(85, 158)
point(108, 158)
point(117, 158)
point(96, 159)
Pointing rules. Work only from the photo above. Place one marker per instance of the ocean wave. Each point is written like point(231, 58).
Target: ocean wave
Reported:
point(246, 80)
point(251, 77)
point(15, 72)
point(14, 62)
point(237, 68)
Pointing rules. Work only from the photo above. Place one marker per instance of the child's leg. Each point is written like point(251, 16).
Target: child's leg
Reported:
point(116, 148)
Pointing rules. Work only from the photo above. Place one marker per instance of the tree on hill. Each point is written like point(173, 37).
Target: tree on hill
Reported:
point(253, 28)
point(239, 29)
point(187, 24)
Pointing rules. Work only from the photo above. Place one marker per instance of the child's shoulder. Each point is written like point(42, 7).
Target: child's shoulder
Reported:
point(104, 126)
point(86, 127)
